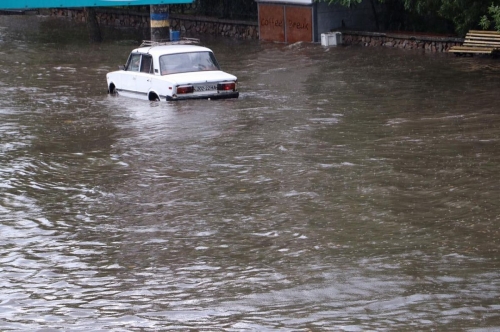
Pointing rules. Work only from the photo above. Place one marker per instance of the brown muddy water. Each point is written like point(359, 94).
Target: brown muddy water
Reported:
point(347, 189)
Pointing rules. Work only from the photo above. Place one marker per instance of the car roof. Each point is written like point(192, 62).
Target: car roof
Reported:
point(170, 49)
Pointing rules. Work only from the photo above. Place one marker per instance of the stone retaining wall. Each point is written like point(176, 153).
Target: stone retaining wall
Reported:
point(193, 25)
point(408, 41)
point(206, 25)
point(188, 25)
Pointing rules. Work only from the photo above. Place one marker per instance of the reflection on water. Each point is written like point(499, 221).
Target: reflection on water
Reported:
point(347, 189)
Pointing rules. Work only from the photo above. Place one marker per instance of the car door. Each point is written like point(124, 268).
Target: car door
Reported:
point(126, 83)
point(145, 74)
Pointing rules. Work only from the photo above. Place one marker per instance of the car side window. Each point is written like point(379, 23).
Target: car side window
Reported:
point(134, 62)
point(147, 64)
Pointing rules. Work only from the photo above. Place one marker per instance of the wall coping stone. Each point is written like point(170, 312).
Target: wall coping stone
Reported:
point(211, 19)
point(405, 35)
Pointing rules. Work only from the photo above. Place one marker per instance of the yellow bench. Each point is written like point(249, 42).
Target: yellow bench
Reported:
point(478, 42)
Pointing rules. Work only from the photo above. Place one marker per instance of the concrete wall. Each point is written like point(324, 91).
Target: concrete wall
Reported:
point(333, 17)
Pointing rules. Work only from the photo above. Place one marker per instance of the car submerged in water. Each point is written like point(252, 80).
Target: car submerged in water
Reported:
point(172, 71)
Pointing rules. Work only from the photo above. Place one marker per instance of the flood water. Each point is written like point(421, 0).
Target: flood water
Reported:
point(347, 189)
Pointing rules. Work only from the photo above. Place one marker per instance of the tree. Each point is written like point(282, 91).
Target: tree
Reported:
point(494, 11)
point(463, 14)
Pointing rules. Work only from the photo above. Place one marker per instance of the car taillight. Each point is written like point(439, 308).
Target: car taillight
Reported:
point(226, 86)
point(185, 89)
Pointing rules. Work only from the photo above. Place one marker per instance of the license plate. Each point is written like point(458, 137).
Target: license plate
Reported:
point(201, 88)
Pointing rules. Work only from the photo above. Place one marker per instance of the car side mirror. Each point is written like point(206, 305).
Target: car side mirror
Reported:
point(122, 67)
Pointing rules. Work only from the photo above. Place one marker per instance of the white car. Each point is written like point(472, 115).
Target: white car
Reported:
point(172, 71)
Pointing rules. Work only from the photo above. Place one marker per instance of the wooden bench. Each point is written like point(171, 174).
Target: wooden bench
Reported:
point(478, 42)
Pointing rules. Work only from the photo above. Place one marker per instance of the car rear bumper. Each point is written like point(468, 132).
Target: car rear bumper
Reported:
point(226, 95)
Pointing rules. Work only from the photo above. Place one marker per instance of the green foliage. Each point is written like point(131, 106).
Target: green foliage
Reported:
point(486, 22)
point(463, 14)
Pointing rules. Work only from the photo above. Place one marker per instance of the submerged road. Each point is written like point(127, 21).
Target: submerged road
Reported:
point(347, 189)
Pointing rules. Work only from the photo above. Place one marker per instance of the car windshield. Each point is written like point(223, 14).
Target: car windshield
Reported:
point(187, 62)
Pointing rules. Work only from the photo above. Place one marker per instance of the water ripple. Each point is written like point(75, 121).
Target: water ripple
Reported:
point(346, 190)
